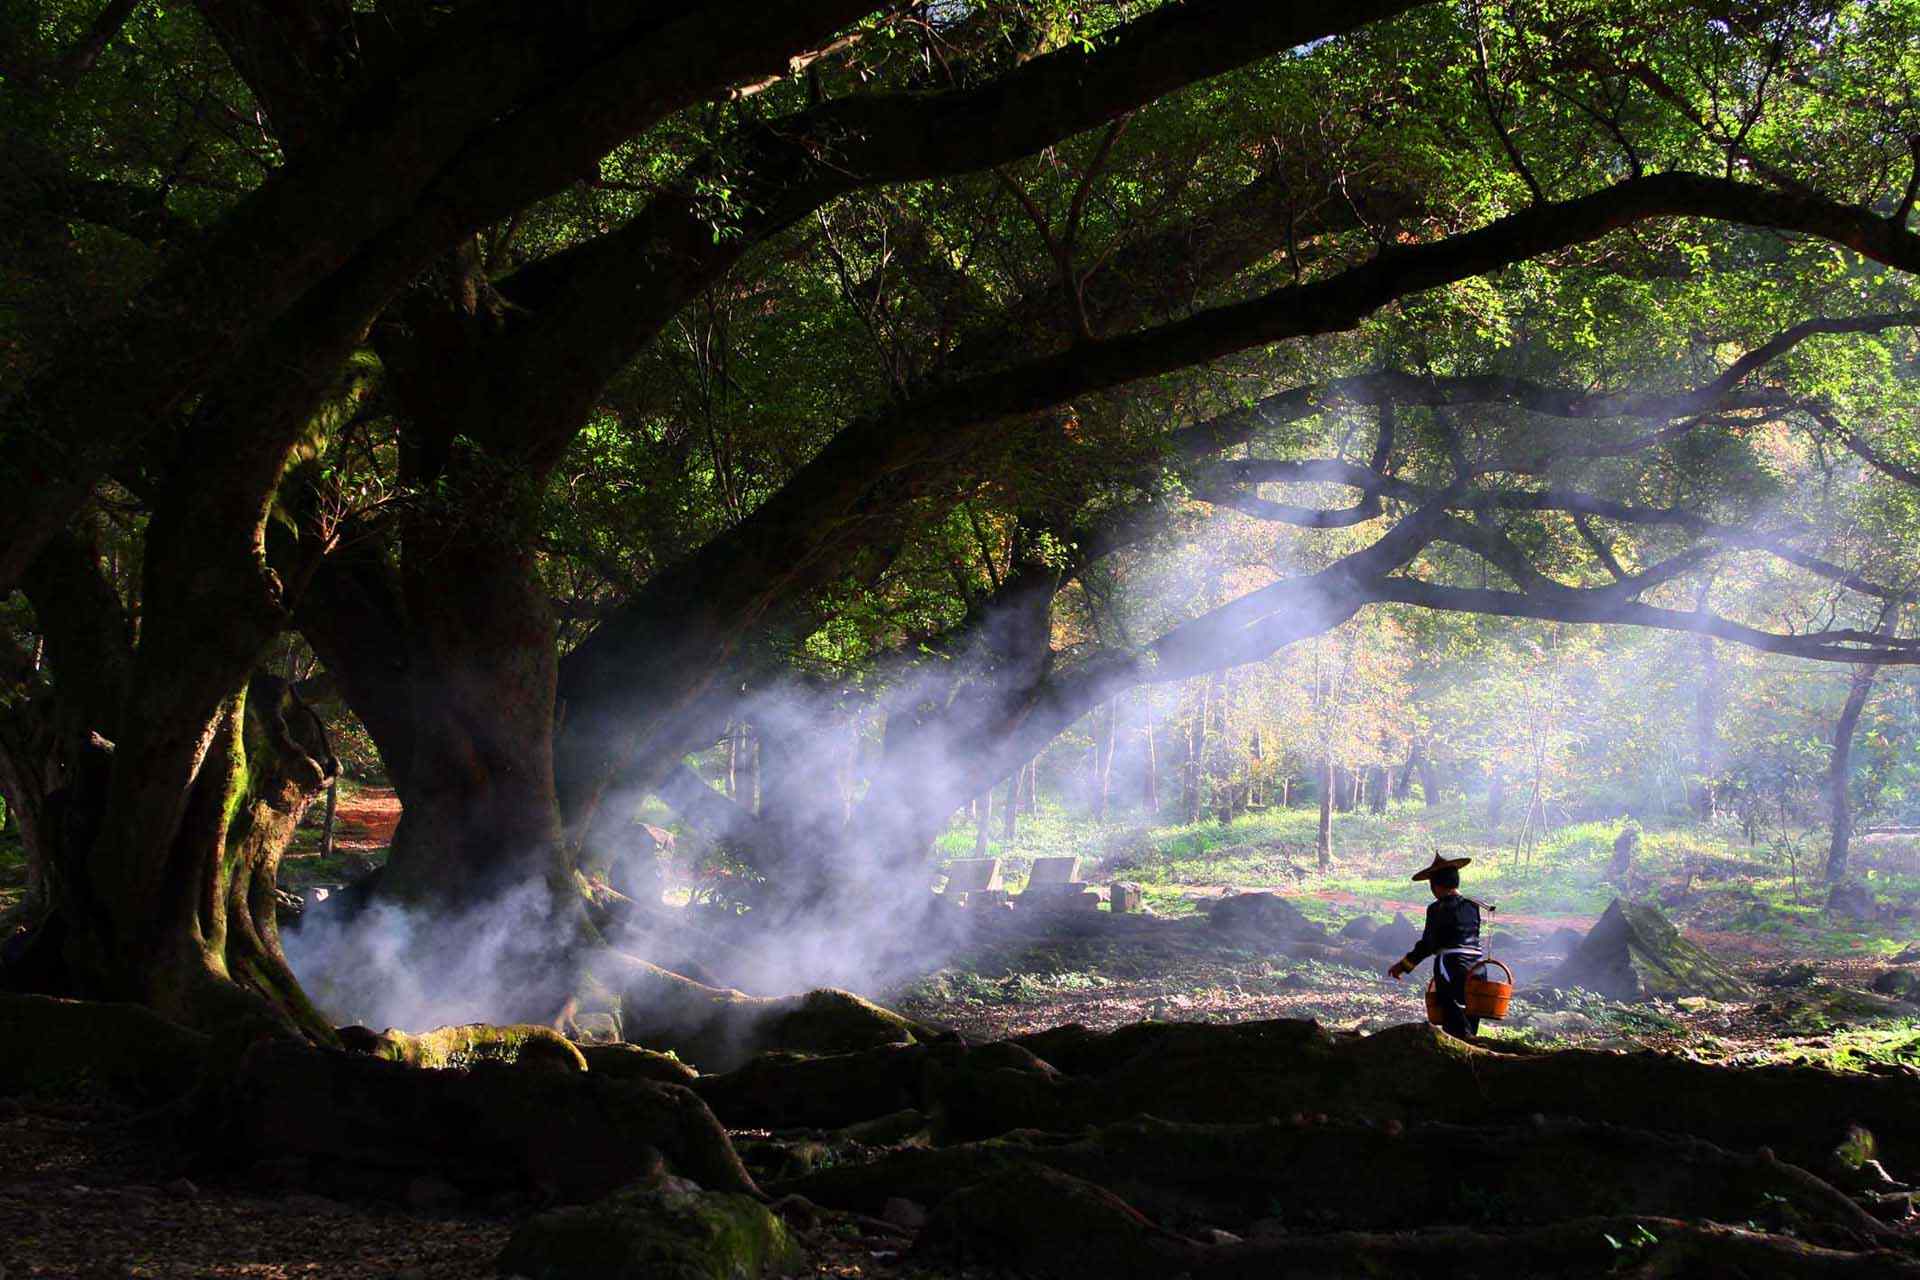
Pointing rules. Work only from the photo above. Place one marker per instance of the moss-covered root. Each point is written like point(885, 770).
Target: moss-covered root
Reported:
point(464, 1046)
point(1227, 1074)
point(79, 1048)
point(570, 1135)
point(653, 1233)
point(717, 1028)
point(631, 1062)
point(1489, 1178)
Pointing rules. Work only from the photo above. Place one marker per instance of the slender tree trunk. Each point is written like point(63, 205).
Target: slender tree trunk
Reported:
point(1106, 761)
point(1190, 771)
point(733, 759)
point(1150, 776)
point(983, 826)
point(1323, 844)
point(1840, 767)
point(326, 831)
point(1429, 779)
point(1010, 807)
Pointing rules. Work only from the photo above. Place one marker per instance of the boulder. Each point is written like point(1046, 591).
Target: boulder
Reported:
point(1561, 942)
point(1851, 900)
point(1635, 953)
point(662, 1232)
point(1265, 917)
point(1362, 927)
point(1799, 973)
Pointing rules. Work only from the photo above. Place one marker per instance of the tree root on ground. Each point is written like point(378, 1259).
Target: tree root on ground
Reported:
point(468, 1045)
point(1232, 1073)
point(1315, 1177)
point(1043, 1223)
point(81, 1047)
point(573, 1136)
point(718, 1029)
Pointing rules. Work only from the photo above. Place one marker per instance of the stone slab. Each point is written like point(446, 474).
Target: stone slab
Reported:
point(973, 875)
point(1054, 873)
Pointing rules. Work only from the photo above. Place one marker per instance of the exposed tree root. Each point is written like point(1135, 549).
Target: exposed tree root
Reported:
point(1043, 1223)
point(1225, 1074)
point(783, 1091)
point(572, 1135)
point(1323, 1177)
point(718, 1029)
point(468, 1045)
point(62, 1047)
point(631, 1062)
point(1648, 1248)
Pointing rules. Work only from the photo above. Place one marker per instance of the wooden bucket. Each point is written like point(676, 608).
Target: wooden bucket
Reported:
point(1433, 1002)
point(1485, 997)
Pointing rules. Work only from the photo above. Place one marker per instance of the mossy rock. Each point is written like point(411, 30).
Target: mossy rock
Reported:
point(631, 1062)
point(1822, 1005)
point(86, 1048)
point(1266, 917)
point(1899, 984)
point(644, 1233)
point(469, 1045)
point(1635, 953)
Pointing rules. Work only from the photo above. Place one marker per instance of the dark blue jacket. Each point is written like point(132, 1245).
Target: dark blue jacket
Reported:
point(1452, 921)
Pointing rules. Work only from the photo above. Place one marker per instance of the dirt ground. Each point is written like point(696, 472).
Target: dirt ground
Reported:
point(81, 1198)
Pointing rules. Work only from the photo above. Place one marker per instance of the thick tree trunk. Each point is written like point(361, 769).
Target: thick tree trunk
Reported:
point(479, 817)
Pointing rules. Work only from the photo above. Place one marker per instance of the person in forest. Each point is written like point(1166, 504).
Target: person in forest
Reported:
point(1452, 938)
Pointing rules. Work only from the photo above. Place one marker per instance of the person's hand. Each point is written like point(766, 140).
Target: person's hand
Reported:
point(1399, 970)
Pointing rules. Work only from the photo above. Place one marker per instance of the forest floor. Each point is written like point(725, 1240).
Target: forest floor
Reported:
point(1748, 907)
point(81, 1196)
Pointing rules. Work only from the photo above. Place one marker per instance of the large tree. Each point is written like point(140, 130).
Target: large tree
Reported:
point(477, 239)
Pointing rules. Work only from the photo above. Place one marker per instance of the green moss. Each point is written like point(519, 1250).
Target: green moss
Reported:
point(653, 1234)
point(464, 1046)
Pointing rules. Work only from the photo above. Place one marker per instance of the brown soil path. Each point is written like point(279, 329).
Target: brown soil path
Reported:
point(365, 819)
